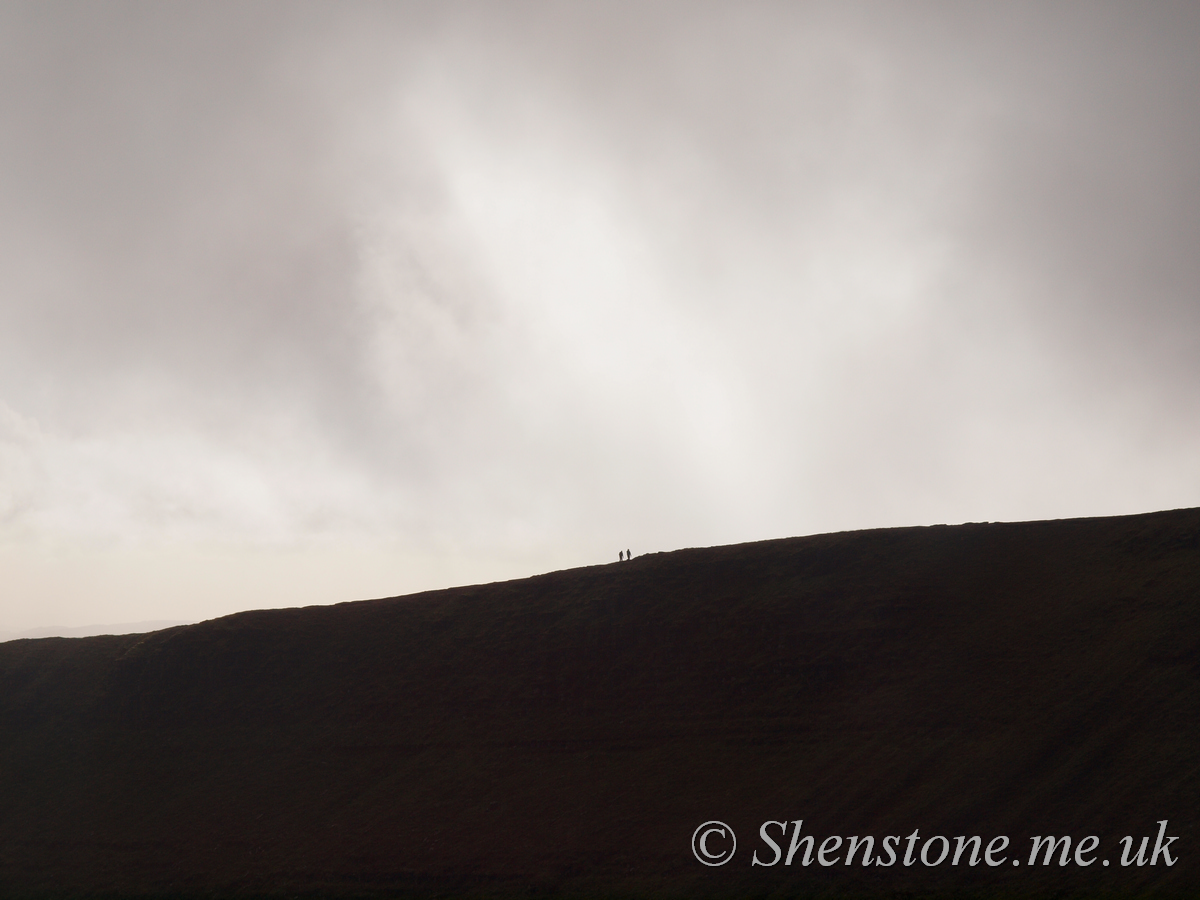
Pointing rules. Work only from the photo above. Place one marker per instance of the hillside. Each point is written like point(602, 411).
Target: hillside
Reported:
point(567, 733)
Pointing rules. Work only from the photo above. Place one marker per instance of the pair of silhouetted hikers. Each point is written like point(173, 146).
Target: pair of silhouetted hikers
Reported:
point(624, 555)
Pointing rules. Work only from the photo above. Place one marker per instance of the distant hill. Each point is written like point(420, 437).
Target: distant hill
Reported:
point(91, 630)
point(565, 735)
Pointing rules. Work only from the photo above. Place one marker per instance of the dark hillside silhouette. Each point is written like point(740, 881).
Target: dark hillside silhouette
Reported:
point(568, 732)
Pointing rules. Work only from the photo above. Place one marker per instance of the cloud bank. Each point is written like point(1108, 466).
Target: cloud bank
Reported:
point(308, 302)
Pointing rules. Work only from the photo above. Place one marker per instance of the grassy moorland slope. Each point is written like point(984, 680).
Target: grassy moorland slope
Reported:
point(568, 732)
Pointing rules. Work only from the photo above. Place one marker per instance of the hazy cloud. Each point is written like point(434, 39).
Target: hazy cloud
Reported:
point(303, 302)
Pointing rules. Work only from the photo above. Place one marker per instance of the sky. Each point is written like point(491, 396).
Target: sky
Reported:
point(311, 302)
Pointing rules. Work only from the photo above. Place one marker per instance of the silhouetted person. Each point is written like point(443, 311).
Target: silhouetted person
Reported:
point(629, 554)
point(622, 555)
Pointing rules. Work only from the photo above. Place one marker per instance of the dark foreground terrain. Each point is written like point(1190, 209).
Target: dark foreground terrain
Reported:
point(566, 734)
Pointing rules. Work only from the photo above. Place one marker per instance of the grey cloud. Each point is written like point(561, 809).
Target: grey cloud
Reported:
point(532, 273)
point(1092, 190)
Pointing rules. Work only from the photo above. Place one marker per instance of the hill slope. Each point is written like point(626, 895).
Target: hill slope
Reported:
point(569, 732)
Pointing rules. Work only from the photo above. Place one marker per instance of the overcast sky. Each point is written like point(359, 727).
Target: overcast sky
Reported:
point(303, 303)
